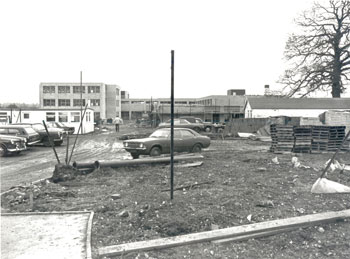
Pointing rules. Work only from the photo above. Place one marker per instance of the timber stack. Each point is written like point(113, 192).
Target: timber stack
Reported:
point(282, 138)
point(302, 139)
point(307, 139)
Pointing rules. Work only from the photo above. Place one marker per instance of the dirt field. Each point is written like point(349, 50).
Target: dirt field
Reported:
point(243, 183)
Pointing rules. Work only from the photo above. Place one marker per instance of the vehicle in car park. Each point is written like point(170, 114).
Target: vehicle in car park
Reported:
point(183, 123)
point(185, 140)
point(208, 126)
point(27, 132)
point(60, 125)
point(11, 145)
point(56, 134)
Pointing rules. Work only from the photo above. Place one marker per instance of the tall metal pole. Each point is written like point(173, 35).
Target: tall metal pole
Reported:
point(172, 129)
point(81, 100)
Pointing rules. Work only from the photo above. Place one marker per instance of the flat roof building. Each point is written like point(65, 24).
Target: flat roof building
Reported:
point(104, 99)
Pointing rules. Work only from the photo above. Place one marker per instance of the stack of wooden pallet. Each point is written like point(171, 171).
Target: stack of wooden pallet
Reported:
point(336, 136)
point(302, 139)
point(327, 138)
point(282, 138)
point(307, 139)
point(320, 136)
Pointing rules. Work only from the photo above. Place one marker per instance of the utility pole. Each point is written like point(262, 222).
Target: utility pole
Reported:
point(81, 100)
point(172, 129)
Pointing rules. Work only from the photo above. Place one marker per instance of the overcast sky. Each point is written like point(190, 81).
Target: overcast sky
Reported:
point(219, 45)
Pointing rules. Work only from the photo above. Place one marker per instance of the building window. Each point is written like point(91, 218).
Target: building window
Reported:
point(63, 102)
point(97, 116)
point(93, 89)
point(25, 115)
point(3, 117)
point(95, 102)
point(63, 117)
point(63, 89)
point(75, 116)
point(48, 89)
point(49, 102)
point(50, 116)
point(88, 116)
point(79, 102)
point(76, 89)
point(117, 91)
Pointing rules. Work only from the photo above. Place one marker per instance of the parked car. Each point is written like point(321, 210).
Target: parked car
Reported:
point(56, 134)
point(31, 136)
point(54, 124)
point(185, 140)
point(182, 123)
point(208, 126)
point(11, 145)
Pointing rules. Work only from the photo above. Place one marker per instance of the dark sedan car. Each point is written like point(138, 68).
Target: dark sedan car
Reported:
point(183, 123)
point(27, 132)
point(185, 140)
point(54, 124)
point(11, 145)
point(56, 134)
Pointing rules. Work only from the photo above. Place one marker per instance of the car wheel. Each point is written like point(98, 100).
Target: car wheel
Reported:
point(135, 156)
point(3, 150)
point(208, 129)
point(197, 129)
point(155, 151)
point(197, 148)
point(59, 143)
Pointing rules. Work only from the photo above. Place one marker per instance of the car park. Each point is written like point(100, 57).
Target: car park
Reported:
point(183, 123)
point(11, 145)
point(60, 125)
point(185, 140)
point(31, 136)
point(56, 134)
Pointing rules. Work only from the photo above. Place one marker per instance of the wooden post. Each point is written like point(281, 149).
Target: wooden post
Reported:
point(172, 129)
point(51, 143)
point(67, 149)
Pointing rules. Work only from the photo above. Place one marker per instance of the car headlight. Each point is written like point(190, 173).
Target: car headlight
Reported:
point(126, 144)
point(141, 145)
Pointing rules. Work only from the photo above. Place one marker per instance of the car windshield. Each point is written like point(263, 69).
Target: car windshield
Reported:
point(160, 134)
point(29, 130)
point(38, 127)
point(59, 124)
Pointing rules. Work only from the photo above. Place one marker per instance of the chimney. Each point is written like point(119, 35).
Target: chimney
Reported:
point(267, 89)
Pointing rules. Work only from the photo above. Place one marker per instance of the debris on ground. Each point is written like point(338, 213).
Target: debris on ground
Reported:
point(64, 173)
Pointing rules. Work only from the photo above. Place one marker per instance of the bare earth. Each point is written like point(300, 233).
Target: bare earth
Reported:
point(244, 183)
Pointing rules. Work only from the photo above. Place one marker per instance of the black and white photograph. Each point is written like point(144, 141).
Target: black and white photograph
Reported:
point(167, 129)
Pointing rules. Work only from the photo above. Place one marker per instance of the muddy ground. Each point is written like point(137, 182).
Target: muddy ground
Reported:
point(241, 182)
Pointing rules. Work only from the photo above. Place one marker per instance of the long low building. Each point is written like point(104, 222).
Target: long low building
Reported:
point(214, 108)
point(269, 106)
point(70, 117)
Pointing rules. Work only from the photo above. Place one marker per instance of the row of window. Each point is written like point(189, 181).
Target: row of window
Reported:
point(66, 89)
point(63, 116)
point(67, 102)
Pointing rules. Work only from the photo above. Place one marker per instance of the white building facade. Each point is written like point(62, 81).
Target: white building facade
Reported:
point(104, 99)
point(70, 117)
point(263, 107)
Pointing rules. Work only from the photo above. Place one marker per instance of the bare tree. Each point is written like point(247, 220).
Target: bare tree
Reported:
point(319, 55)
